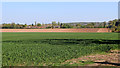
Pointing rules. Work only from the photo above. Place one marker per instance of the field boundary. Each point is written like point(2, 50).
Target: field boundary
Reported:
point(58, 30)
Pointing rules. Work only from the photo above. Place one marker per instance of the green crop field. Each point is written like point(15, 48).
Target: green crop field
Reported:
point(38, 49)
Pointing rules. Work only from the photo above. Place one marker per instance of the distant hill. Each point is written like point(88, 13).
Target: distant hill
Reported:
point(82, 23)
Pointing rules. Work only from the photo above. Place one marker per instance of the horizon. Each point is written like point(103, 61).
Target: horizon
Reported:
point(56, 22)
point(65, 12)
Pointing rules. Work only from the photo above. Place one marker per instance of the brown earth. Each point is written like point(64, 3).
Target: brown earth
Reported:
point(108, 59)
point(58, 30)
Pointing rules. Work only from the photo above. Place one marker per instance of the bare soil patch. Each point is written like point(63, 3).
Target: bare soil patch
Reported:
point(58, 30)
point(108, 59)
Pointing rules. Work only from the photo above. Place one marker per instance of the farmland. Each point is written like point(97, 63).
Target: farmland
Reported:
point(38, 49)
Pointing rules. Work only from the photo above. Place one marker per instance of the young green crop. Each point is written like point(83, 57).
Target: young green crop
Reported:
point(38, 49)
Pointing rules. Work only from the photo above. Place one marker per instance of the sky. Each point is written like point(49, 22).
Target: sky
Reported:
point(119, 10)
point(60, 0)
point(46, 12)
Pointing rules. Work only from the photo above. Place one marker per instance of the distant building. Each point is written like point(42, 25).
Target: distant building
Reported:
point(33, 27)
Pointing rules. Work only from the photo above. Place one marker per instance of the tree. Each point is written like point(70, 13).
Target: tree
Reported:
point(54, 24)
point(67, 26)
point(114, 25)
point(93, 24)
point(61, 25)
point(78, 25)
point(90, 25)
point(18, 26)
point(58, 23)
point(32, 24)
point(38, 24)
point(25, 25)
point(118, 28)
point(104, 24)
point(13, 25)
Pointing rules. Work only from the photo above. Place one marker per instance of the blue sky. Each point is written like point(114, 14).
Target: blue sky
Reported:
point(46, 12)
point(60, 0)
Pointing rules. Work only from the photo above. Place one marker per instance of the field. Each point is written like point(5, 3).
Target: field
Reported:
point(38, 49)
point(58, 30)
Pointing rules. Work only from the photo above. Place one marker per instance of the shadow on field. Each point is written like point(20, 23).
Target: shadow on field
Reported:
point(79, 41)
point(116, 64)
point(66, 41)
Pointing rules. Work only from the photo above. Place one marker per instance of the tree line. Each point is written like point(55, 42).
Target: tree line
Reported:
point(17, 26)
point(114, 25)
